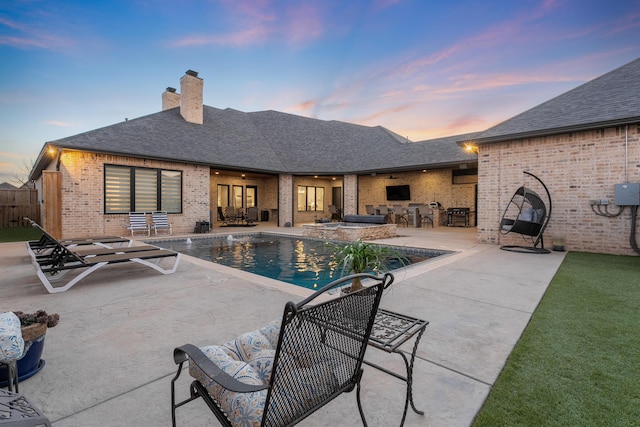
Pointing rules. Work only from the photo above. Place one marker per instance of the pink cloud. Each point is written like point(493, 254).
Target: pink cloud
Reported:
point(466, 123)
point(384, 4)
point(29, 37)
point(251, 36)
point(304, 23)
point(258, 21)
point(625, 23)
point(58, 123)
point(374, 118)
point(305, 107)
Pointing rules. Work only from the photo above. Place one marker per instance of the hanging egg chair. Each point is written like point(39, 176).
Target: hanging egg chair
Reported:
point(527, 214)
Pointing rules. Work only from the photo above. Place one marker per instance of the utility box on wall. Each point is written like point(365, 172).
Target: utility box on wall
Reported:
point(628, 194)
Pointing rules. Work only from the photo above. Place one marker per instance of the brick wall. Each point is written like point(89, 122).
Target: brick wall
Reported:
point(83, 194)
point(576, 168)
point(426, 187)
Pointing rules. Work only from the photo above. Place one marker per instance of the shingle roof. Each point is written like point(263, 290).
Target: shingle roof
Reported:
point(266, 141)
point(609, 100)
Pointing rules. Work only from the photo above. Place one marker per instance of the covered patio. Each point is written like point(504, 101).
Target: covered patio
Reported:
point(109, 361)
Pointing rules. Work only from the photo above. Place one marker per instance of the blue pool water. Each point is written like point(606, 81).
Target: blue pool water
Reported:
point(299, 261)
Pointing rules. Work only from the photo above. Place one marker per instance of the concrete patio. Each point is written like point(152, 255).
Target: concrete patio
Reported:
point(109, 361)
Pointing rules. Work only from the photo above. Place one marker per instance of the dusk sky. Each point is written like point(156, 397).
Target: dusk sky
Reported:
point(421, 68)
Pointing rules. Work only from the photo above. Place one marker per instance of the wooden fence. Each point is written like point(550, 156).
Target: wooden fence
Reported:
point(16, 204)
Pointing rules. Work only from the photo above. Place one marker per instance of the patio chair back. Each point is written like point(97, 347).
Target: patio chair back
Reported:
point(138, 222)
point(160, 222)
point(252, 214)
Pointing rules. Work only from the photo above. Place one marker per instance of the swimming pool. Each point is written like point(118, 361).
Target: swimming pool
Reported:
point(297, 260)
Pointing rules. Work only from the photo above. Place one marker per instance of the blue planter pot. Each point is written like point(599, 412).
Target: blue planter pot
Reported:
point(31, 362)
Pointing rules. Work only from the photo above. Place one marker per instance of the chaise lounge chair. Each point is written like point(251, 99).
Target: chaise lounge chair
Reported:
point(282, 373)
point(48, 242)
point(62, 260)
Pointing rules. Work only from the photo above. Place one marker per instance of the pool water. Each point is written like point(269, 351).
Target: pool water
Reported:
point(300, 261)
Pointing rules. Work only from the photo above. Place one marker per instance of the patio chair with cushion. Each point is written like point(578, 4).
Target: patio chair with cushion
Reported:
point(138, 222)
point(231, 214)
point(384, 210)
point(61, 261)
point(336, 213)
point(11, 348)
point(283, 372)
point(252, 215)
point(221, 216)
point(527, 214)
point(400, 215)
point(160, 222)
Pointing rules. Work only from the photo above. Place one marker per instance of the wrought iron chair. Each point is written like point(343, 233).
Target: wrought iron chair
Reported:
point(285, 371)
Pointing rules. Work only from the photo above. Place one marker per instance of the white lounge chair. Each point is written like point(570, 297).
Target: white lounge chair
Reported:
point(54, 266)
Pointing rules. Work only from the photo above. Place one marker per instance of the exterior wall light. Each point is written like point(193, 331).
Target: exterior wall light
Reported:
point(471, 148)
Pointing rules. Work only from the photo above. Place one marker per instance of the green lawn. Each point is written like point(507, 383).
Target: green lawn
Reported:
point(578, 361)
point(19, 234)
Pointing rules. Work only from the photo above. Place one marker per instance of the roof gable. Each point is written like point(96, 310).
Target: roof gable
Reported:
point(611, 99)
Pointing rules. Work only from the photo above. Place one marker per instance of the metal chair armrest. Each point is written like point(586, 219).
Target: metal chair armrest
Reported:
point(195, 355)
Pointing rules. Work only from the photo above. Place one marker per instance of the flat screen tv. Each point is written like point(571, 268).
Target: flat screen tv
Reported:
point(398, 192)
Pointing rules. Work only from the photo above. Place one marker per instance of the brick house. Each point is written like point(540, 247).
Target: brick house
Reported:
point(190, 158)
point(582, 144)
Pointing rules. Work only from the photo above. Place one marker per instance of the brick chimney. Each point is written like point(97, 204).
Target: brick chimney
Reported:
point(170, 99)
point(191, 97)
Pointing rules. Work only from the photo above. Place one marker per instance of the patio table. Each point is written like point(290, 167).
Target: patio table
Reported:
point(390, 331)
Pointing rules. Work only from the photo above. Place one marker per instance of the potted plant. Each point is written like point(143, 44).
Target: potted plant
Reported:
point(34, 328)
point(363, 257)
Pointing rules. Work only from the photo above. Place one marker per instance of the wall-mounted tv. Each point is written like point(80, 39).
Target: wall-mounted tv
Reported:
point(398, 192)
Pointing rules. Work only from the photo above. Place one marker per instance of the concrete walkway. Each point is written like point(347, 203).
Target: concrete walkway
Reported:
point(109, 361)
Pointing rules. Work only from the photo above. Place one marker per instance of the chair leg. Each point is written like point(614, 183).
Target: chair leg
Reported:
point(12, 375)
point(364, 420)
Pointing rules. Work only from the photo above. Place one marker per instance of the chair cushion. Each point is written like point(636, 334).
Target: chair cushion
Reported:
point(249, 359)
point(11, 342)
point(241, 408)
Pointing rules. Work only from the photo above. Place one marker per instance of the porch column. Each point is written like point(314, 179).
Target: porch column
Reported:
point(285, 200)
point(350, 188)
